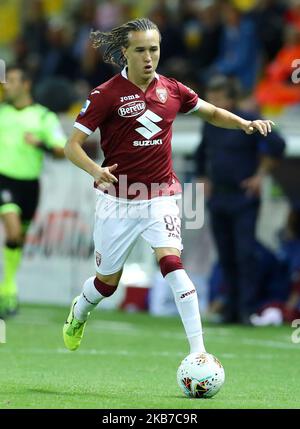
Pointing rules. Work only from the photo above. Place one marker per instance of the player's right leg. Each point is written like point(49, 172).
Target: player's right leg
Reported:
point(114, 237)
point(95, 289)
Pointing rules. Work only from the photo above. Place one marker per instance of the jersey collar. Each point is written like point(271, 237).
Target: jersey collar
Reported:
point(124, 74)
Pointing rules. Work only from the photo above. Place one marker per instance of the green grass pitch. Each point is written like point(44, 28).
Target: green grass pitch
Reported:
point(130, 361)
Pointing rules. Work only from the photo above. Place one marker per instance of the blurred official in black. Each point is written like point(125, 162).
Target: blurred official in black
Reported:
point(232, 165)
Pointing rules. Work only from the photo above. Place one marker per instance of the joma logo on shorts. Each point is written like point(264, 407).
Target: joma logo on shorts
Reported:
point(131, 109)
point(190, 292)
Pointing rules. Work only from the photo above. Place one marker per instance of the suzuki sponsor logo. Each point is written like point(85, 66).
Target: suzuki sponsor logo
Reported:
point(147, 142)
point(131, 109)
point(149, 120)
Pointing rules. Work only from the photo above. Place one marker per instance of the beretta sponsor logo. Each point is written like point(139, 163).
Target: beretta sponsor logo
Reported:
point(131, 109)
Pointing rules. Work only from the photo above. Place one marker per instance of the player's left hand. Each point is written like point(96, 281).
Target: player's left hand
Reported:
point(262, 126)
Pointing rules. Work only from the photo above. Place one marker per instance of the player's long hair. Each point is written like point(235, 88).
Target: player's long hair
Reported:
point(117, 38)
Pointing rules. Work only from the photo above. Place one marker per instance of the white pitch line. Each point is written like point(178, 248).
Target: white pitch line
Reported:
point(270, 343)
point(264, 343)
point(124, 353)
point(94, 325)
point(131, 329)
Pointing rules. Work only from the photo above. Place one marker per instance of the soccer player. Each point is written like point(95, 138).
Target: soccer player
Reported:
point(27, 131)
point(135, 111)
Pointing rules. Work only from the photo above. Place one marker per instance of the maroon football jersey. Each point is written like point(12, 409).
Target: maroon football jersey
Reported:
point(136, 131)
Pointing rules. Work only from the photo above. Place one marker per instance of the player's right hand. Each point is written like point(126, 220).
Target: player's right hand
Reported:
point(103, 178)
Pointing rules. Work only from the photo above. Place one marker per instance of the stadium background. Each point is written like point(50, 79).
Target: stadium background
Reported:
point(51, 39)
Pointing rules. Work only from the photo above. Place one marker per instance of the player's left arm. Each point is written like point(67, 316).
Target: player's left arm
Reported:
point(225, 119)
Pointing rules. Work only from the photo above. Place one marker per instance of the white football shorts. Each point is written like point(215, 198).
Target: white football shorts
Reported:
point(119, 223)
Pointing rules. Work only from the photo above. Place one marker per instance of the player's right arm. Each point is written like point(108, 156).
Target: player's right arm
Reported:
point(73, 150)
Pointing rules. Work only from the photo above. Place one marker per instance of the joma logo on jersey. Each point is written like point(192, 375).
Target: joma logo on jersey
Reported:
point(131, 109)
point(129, 97)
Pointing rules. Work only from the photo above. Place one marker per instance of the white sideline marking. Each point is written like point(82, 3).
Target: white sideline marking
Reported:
point(114, 326)
point(264, 343)
point(269, 343)
point(96, 325)
point(221, 334)
point(95, 352)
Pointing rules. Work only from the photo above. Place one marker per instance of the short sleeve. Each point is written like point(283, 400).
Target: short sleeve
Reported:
point(93, 112)
point(190, 101)
point(53, 134)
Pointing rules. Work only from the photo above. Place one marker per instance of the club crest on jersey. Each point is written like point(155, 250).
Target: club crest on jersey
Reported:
point(98, 259)
point(85, 107)
point(162, 94)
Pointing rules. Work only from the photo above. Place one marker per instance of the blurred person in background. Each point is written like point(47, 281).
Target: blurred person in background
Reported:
point(109, 13)
point(59, 59)
point(239, 50)
point(174, 59)
point(286, 307)
point(45, 45)
point(172, 48)
point(272, 285)
point(292, 15)
point(136, 185)
point(91, 67)
point(277, 87)
point(202, 31)
point(270, 26)
point(27, 131)
point(232, 165)
point(34, 36)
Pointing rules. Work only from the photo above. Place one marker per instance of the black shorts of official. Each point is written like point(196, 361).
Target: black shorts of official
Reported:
point(21, 193)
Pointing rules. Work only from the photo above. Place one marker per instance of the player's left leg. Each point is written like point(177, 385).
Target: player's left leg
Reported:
point(185, 295)
point(163, 232)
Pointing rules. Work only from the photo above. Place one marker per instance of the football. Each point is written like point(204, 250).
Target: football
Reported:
point(200, 375)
